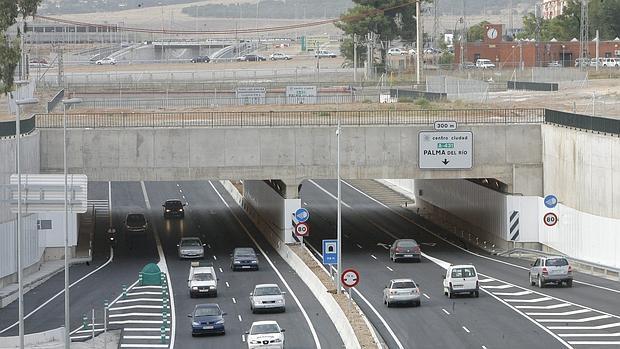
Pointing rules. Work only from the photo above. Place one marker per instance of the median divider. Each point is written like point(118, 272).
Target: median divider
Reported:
point(353, 329)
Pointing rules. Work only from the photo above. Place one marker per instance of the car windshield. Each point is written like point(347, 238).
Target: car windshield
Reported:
point(406, 243)
point(190, 243)
point(203, 277)
point(463, 272)
point(245, 253)
point(265, 328)
point(207, 311)
point(135, 219)
point(267, 291)
point(403, 284)
point(173, 204)
point(556, 262)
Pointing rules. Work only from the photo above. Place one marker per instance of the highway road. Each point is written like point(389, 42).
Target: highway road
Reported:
point(222, 228)
point(509, 313)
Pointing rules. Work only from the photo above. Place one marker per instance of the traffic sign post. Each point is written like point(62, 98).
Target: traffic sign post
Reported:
point(350, 278)
point(302, 229)
point(330, 252)
point(550, 219)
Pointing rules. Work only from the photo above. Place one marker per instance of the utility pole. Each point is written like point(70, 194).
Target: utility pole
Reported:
point(583, 34)
point(370, 37)
point(510, 22)
point(435, 23)
point(537, 44)
point(354, 57)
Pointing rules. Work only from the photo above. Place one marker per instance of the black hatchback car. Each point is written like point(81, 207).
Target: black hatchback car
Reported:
point(254, 58)
point(173, 208)
point(244, 258)
point(201, 59)
point(135, 223)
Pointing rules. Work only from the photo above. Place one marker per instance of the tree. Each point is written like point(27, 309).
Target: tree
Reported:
point(390, 19)
point(477, 32)
point(9, 49)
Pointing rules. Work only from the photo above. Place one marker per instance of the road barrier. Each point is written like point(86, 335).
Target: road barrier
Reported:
point(532, 86)
point(413, 94)
point(291, 118)
point(7, 128)
point(585, 122)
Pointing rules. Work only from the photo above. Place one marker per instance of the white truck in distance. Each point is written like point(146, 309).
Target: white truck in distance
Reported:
point(484, 64)
point(202, 280)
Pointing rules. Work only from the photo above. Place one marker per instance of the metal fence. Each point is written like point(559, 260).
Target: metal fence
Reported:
point(585, 122)
point(291, 118)
point(7, 128)
point(458, 89)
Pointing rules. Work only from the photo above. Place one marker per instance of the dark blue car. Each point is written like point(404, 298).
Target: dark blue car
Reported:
point(207, 319)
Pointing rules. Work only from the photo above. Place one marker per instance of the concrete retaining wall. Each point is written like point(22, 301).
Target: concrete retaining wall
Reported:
point(52, 339)
point(271, 233)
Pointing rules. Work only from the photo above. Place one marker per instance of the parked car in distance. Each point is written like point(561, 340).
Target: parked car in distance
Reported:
point(279, 56)
point(201, 59)
point(468, 65)
point(267, 297)
point(461, 279)
point(485, 64)
point(324, 54)
point(251, 58)
point(405, 249)
point(202, 280)
point(207, 319)
point(401, 291)
point(38, 63)
point(411, 51)
point(173, 208)
point(554, 64)
point(395, 51)
point(553, 269)
point(579, 63)
point(106, 60)
point(243, 258)
point(191, 247)
point(135, 223)
point(611, 62)
point(265, 334)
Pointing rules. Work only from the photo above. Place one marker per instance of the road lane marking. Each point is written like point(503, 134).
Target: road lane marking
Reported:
point(373, 256)
point(163, 266)
point(594, 343)
point(138, 300)
point(208, 245)
point(234, 300)
point(617, 334)
point(291, 292)
point(239, 316)
point(137, 307)
point(330, 194)
point(358, 245)
point(227, 284)
point(214, 257)
point(390, 269)
point(599, 327)
point(520, 293)
point(466, 329)
point(445, 311)
point(553, 306)
point(134, 314)
point(586, 319)
point(573, 312)
point(243, 338)
point(482, 281)
point(221, 271)
point(425, 295)
point(110, 203)
point(497, 287)
point(483, 347)
point(533, 300)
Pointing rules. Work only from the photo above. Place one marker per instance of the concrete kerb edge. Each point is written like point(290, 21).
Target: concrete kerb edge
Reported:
point(50, 339)
point(332, 308)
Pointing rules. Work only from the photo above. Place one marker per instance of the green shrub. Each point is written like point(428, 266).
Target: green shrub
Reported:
point(422, 102)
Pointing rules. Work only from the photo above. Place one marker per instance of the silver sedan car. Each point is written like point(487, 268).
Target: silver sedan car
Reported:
point(267, 297)
point(403, 291)
point(191, 248)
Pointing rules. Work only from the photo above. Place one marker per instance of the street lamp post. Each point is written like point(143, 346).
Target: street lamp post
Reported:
point(66, 102)
point(563, 47)
point(20, 276)
point(339, 218)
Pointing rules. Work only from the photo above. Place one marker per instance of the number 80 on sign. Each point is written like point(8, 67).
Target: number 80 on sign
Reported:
point(302, 229)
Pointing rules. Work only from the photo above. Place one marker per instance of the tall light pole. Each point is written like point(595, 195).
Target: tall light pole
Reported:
point(20, 276)
point(339, 218)
point(66, 102)
point(418, 24)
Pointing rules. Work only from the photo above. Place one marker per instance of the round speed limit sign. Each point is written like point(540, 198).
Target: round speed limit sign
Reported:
point(302, 229)
point(550, 219)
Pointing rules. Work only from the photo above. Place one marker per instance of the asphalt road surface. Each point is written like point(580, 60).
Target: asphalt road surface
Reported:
point(509, 313)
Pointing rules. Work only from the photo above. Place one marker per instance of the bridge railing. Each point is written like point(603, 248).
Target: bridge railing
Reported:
point(293, 118)
point(585, 122)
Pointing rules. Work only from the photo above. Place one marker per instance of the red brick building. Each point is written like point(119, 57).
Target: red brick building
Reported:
point(510, 54)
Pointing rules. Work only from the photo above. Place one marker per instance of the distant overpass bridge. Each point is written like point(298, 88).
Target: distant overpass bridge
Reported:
point(289, 145)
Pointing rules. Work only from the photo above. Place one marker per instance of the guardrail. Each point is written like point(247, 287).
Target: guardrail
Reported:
point(291, 118)
point(7, 128)
point(585, 122)
point(580, 263)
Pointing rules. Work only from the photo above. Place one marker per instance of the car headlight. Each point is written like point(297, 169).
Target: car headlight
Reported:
point(194, 323)
point(167, 210)
point(194, 288)
point(181, 210)
point(219, 322)
point(277, 340)
point(280, 301)
point(237, 262)
point(254, 262)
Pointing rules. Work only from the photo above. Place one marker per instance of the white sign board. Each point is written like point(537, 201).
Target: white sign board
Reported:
point(445, 125)
point(251, 95)
point(301, 94)
point(445, 150)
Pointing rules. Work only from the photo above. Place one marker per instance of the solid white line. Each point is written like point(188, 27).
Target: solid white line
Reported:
point(140, 322)
point(145, 293)
point(599, 327)
point(390, 269)
point(373, 256)
point(573, 312)
point(163, 266)
point(243, 338)
point(553, 306)
point(110, 201)
point(239, 316)
point(425, 295)
point(534, 300)
point(445, 311)
point(594, 343)
point(147, 287)
point(137, 307)
point(617, 334)
point(159, 300)
point(234, 300)
point(499, 287)
point(247, 232)
point(586, 319)
point(520, 293)
point(134, 314)
point(466, 329)
point(146, 345)
point(390, 331)
point(143, 329)
point(143, 337)
point(328, 193)
point(63, 291)
point(482, 281)
point(227, 284)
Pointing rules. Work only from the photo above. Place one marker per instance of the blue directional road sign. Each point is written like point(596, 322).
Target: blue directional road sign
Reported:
point(551, 201)
point(330, 252)
point(302, 215)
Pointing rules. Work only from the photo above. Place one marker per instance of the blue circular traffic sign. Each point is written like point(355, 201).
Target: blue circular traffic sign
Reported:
point(302, 215)
point(551, 201)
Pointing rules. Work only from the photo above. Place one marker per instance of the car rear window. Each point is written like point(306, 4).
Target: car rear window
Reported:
point(203, 277)
point(556, 262)
point(191, 242)
point(135, 219)
point(406, 243)
point(403, 284)
point(463, 272)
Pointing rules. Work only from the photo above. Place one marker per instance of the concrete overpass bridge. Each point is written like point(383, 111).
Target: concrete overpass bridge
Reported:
point(290, 146)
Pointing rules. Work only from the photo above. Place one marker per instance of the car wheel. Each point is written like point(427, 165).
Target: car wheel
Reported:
point(191, 295)
point(476, 294)
point(450, 295)
point(417, 303)
point(569, 283)
point(419, 260)
point(540, 282)
point(388, 303)
point(215, 294)
point(532, 283)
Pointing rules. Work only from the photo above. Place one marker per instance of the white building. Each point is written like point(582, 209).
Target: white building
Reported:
point(552, 8)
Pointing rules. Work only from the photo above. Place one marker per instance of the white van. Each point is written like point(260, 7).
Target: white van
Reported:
point(202, 279)
point(611, 62)
point(461, 279)
point(484, 63)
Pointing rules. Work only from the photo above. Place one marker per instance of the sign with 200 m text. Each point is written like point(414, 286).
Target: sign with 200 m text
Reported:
point(445, 150)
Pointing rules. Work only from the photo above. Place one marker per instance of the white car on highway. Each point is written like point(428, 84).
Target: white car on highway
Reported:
point(265, 334)
point(279, 56)
point(267, 297)
point(395, 51)
point(107, 60)
point(461, 279)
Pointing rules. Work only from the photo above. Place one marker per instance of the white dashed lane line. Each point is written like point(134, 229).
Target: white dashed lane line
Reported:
point(227, 284)
point(425, 295)
point(373, 256)
point(445, 311)
point(240, 319)
point(466, 329)
point(358, 246)
point(234, 300)
point(390, 269)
